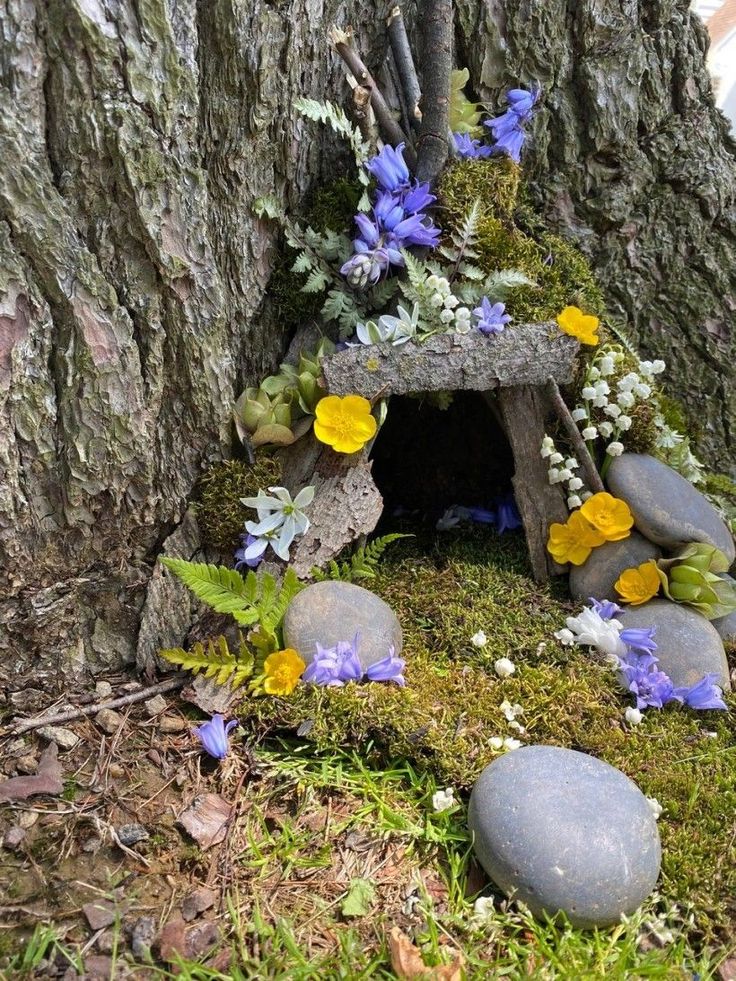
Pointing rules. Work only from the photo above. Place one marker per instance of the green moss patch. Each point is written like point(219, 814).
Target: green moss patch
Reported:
point(444, 589)
point(511, 236)
point(219, 511)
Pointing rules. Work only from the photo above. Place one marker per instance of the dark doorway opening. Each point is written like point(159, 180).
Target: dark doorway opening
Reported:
point(427, 459)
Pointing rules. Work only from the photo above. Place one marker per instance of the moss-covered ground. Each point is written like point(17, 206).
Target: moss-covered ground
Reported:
point(336, 844)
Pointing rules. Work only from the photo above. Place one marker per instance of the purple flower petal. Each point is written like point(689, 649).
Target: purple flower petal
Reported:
point(605, 609)
point(389, 167)
point(389, 668)
point(213, 736)
point(704, 694)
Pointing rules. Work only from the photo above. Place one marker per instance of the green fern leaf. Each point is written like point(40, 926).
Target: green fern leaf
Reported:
point(219, 587)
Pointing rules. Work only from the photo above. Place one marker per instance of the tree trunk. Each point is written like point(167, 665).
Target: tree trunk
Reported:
point(137, 133)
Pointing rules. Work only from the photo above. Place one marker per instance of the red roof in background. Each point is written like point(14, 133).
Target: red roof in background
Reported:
point(723, 22)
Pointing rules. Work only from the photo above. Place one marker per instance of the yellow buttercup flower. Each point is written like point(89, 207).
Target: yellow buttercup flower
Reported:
point(573, 321)
point(573, 541)
point(345, 424)
point(639, 584)
point(609, 515)
point(282, 672)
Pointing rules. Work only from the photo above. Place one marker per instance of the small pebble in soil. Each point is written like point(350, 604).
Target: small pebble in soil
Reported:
point(100, 913)
point(103, 689)
point(109, 721)
point(688, 645)
point(197, 902)
point(64, 738)
point(563, 831)
point(155, 706)
point(172, 724)
point(142, 937)
point(667, 508)
point(328, 612)
point(131, 834)
point(13, 838)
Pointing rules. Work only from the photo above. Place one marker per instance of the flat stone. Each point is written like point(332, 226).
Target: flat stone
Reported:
point(109, 721)
point(155, 705)
point(64, 738)
point(13, 837)
point(131, 834)
point(172, 723)
point(597, 576)
point(100, 914)
point(103, 689)
point(688, 645)
point(667, 508)
point(564, 832)
point(333, 611)
point(197, 902)
point(726, 626)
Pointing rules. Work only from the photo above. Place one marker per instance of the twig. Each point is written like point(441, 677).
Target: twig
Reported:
point(394, 133)
point(364, 115)
point(433, 146)
point(592, 476)
point(404, 61)
point(70, 715)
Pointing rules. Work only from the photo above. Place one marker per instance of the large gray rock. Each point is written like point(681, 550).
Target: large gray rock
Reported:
point(597, 576)
point(563, 831)
point(688, 645)
point(328, 612)
point(667, 509)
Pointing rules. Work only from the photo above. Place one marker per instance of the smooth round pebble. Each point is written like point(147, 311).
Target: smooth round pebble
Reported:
point(597, 576)
point(328, 612)
point(667, 509)
point(688, 645)
point(564, 832)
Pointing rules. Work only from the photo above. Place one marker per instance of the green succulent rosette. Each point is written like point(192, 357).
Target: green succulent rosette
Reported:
point(692, 578)
point(279, 411)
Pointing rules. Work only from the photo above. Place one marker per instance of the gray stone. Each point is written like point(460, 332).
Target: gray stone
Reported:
point(155, 706)
point(688, 645)
point(13, 838)
point(64, 738)
point(667, 509)
point(100, 914)
point(726, 626)
point(172, 724)
point(131, 834)
point(598, 575)
point(328, 612)
point(103, 689)
point(564, 832)
point(109, 721)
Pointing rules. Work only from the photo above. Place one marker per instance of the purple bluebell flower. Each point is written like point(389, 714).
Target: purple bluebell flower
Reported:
point(639, 640)
point(389, 668)
point(388, 210)
point(389, 167)
point(413, 230)
point(509, 518)
point(469, 148)
point(605, 608)
point(417, 198)
point(508, 128)
point(492, 317)
point(252, 561)
point(323, 668)
point(650, 687)
point(349, 667)
point(365, 266)
point(213, 736)
point(480, 515)
point(704, 694)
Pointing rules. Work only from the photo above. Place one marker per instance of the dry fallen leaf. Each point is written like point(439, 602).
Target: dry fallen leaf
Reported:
point(46, 781)
point(406, 960)
point(206, 819)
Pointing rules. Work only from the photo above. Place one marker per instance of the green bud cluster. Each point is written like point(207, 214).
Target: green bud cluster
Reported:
point(692, 577)
point(279, 411)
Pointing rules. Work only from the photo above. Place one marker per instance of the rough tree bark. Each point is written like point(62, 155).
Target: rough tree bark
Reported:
point(136, 134)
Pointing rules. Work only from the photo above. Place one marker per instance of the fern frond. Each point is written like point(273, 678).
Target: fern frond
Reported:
point(223, 589)
point(334, 116)
point(498, 284)
point(361, 565)
point(215, 661)
point(268, 207)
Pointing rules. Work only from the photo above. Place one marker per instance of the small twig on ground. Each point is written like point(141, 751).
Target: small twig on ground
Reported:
point(391, 129)
point(404, 61)
point(433, 145)
point(171, 684)
point(592, 476)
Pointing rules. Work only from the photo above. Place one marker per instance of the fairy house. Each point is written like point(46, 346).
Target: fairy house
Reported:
point(515, 377)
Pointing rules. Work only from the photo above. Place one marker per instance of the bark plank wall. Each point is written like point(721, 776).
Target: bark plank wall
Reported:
point(135, 135)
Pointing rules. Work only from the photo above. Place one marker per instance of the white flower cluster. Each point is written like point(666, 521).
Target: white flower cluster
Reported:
point(499, 743)
point(510, 713)
point(562, 470)
point(452, 314)
point(443, 800)
point(589, 629)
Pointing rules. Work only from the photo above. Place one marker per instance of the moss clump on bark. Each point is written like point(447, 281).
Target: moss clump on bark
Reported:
point(219, 511)
point(331, 208)
point(446, 589)
point(511, 236)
